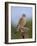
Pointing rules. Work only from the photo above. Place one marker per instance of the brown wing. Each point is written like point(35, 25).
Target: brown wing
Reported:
point(20, 21)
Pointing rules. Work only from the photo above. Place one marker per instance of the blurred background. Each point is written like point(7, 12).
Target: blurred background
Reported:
point(16, 14)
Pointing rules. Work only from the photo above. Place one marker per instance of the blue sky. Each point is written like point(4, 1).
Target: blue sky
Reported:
point(16, 13)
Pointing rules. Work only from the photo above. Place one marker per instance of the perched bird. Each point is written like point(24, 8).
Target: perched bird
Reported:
point(21, 24)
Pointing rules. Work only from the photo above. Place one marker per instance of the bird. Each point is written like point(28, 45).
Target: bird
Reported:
point(21, 24)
